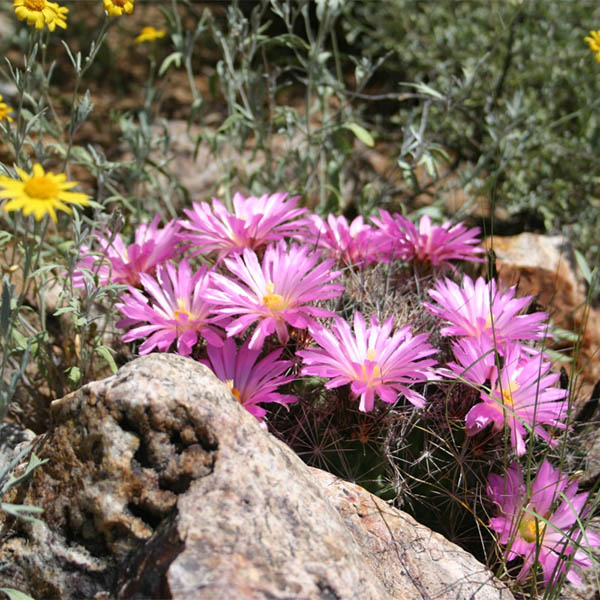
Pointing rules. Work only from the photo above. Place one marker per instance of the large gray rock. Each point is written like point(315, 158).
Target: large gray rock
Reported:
point(160, 485)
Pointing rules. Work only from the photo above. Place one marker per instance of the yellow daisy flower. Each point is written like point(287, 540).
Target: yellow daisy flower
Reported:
point(5, 110)
point(593, 40)
point(40, 193)
point(40, 13)
point(149, 34)
point(115, 8)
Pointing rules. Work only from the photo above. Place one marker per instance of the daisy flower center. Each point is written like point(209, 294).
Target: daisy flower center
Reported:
point(41, 188)
point(234, 391)
point(274, 302)
point(38, 5)
point(531, 529)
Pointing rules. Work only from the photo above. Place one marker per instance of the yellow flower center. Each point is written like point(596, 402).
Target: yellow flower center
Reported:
point(120, 3)
point(531, 529)
point(38, 5)
point(376, 373)
point(274, 302)
point(234, 391)
point(41, 188)
point(507, 393)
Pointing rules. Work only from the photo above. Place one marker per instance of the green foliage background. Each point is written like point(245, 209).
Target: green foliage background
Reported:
point(519, 105)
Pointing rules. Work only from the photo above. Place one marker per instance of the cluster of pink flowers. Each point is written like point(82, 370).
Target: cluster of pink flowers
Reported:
point(428, 244)
point(273, 264)
point(254, 223)
point(392, 237)
point(490, 331)
point(542, 522)
point(236, 289)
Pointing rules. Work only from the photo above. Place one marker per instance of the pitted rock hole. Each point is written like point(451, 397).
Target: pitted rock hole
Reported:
point(177, 453)
point(149, 517)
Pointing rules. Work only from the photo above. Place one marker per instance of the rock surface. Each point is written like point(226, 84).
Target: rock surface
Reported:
point(160, 485)
point(410, 559)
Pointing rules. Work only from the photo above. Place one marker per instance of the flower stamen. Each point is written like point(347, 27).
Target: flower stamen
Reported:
point(234, 391)
point(274, 302)
point(531, 528)
point(507, 393)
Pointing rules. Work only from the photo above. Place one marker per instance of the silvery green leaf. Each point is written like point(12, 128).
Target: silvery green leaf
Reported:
point(84, 108)
point(174, 57)
point(15, 594)
point(585, 268)
point(24, 512)
point(361, 133)
point(333, 7)
point(105, 353)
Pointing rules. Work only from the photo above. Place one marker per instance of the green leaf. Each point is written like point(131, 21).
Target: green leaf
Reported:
point(565, 334)
point(74, 375)
point(19, 339)
point(32, 465)
point(230, 120)
point(174, 57)
point(292, 41)
point(24, 512)
point(361, 133)
point(556, 356)
point(585, 268)
point(105, 353)
point(15, 594)
point(427, 90)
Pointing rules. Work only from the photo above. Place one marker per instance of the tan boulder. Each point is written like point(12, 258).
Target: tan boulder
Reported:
point(160, 485)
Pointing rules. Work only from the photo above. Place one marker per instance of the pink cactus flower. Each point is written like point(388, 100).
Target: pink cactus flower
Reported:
point(521, 394)
point(254, 224)
point(356, 244)
point(433, 244)
point(478, 309)
point(114, 262)
point(251, 382)
point(177, 312)
point(541, 522)
point(372, 360)
point(276, 294)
